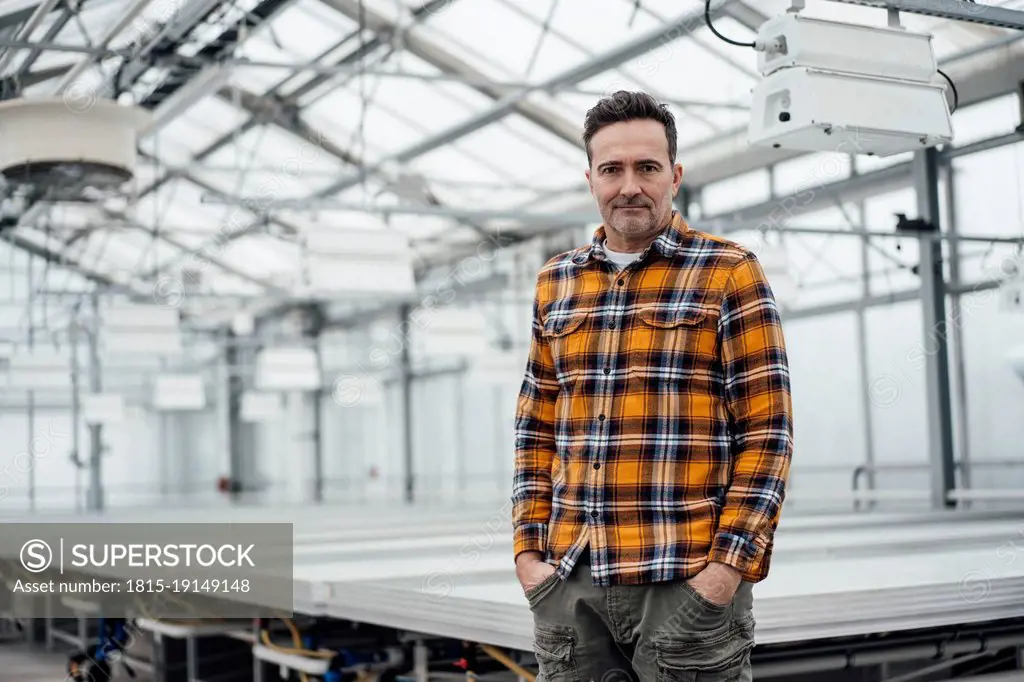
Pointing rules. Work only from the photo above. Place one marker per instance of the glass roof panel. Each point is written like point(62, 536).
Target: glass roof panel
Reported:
point(259, 79)
point(684, 68)
point(123, 251)
point(205, 122)
point(328, 219)
point(546, 156)
point(592, 25)
point(266, 257)
point(177, 204)
point(167, 148)
point(341, 117)
point(425, 106)
point(273, 164)
point(307, 28)
point(503, 48)
point(455, 26)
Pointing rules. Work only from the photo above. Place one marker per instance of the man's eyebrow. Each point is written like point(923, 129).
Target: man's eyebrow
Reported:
point(638, 162)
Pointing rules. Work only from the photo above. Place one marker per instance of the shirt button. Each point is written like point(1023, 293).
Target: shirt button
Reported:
point(611, 324)
point(607, 370)
point(597, 465)
point(600, 417)
point(593, 514)
point(621, 282)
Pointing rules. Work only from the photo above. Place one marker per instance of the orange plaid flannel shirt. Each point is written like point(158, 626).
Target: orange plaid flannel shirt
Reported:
point(654, 421)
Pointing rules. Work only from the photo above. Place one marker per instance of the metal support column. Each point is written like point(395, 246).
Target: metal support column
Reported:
point(407, 425)
point(95, 498)
point(936, 333)
point(237, 480)
point(31, 393)
point(962, 432)
point(313, 326)
point(76, 404)
point(864, 359)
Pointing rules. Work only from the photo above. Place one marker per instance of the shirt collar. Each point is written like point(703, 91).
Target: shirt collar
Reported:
point(667, 243)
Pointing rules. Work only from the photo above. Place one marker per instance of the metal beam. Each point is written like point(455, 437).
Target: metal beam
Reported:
point(681, 26)
point(17, 17)
point(876, 300)
point(126, 18)
point(448, 63)
point(976, 13)
point(213, 260)
point(25, 32)
point(51, 34)
point(936, 343)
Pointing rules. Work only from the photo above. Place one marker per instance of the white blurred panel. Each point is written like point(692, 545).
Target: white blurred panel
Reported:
point(173, 392)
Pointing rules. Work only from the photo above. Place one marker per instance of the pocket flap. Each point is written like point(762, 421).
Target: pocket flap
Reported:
point(553, 644)
point(559, 325)
point(716, 650)
point(672, 316)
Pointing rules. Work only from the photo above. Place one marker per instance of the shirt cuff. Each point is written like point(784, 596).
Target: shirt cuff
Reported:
point(738, 551)
point(530, 537)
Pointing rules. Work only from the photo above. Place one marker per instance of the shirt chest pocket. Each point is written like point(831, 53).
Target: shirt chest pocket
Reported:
point(677, 335)
point(566, 335)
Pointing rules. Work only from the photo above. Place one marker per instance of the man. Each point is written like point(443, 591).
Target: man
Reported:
point(653, 429)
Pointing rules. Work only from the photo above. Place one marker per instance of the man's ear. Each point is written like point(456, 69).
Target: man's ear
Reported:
point(590, 184)
point(677, 177)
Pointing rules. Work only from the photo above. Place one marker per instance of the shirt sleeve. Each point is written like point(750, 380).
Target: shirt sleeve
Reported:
point(534, 445)
point(758, 395)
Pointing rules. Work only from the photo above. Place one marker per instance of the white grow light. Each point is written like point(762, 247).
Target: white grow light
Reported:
point(40, 369)
point(141, 329)
point(178, 392)
point(839, 87)
point(260, 406)
point(287, 369)
point(359, 261)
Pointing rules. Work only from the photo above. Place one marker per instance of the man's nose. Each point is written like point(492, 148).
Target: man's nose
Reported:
point(630, 187)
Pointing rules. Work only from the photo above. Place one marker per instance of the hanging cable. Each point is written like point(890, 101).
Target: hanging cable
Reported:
point(956, 95)
point(707, 20)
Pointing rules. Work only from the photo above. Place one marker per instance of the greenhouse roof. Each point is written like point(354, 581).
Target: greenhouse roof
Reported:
point(330, 111)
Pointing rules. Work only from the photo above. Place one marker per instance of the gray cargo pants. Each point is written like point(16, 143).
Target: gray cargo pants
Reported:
point(663, 632)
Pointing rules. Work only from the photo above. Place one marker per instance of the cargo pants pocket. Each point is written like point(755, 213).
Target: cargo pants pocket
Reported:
point(555, 649)
point(721, 654)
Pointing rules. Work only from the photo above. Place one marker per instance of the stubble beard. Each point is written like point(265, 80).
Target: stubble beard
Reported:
point(643, 223)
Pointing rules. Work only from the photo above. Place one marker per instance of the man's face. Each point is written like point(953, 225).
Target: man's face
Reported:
point(633, 179)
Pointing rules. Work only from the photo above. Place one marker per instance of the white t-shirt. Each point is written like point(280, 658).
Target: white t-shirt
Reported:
point(620, 259)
